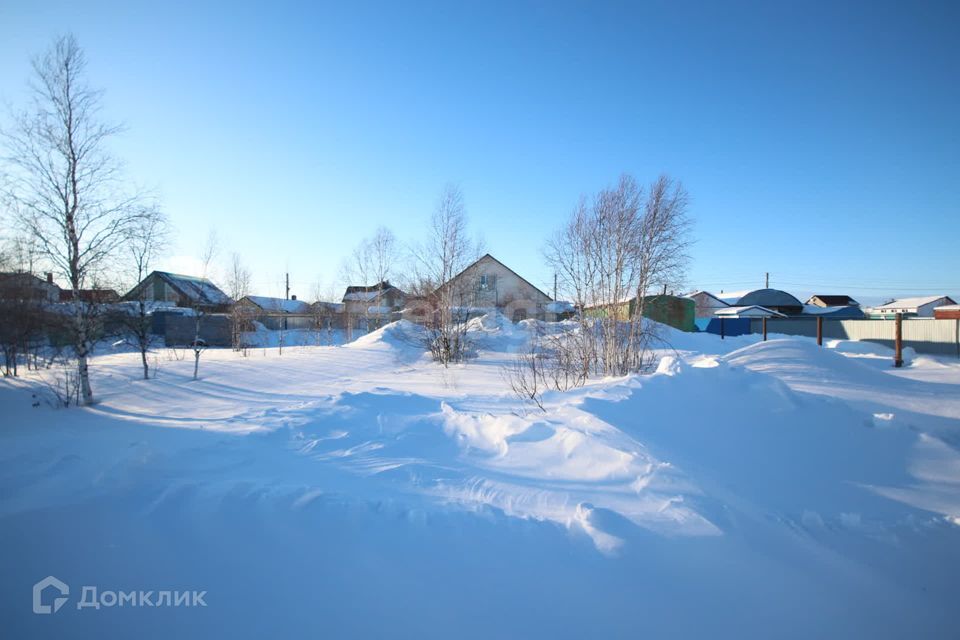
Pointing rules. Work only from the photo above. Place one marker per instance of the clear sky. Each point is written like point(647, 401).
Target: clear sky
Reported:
point(819, 141)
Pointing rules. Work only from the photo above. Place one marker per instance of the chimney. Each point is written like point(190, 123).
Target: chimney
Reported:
point(293, 297)
point(49, 277)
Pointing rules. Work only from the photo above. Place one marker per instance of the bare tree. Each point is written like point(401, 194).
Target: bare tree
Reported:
point(241, 315)
point(199, 311)
point(148, 238)
point(65, 186)
point(447, 250)
point(614, 250)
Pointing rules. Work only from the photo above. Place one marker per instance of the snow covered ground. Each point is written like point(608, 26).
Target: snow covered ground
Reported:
point(744, 489)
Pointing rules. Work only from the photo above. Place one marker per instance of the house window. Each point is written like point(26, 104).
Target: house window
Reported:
point(487, 282)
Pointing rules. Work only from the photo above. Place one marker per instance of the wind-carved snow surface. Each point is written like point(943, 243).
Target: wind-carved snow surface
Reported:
point(742, 489)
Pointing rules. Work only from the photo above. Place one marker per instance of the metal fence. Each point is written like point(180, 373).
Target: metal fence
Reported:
point(924, 335)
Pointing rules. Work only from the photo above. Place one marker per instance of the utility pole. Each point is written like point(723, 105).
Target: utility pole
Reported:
point(288, 285)
point(554, 285)
point(767, 284)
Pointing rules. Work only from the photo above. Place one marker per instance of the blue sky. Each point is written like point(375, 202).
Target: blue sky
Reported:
point(819, 141)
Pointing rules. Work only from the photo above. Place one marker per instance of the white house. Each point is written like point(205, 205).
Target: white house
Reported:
point(921, 307)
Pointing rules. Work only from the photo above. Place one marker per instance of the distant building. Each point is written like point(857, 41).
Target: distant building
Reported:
point(490, 284)
point(181, 291)
point(91, 296)
point(947, 312)
point(831, 301)
point(22, 285)
point(920, 307)
point(376, 300)
point(772, 299)
point(278, 313)
point(706, 303)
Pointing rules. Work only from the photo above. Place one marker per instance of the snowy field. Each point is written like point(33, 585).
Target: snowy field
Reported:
point(744, 489)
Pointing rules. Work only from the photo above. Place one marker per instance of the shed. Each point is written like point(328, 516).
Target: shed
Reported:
point(772, 299)
point(947, 312)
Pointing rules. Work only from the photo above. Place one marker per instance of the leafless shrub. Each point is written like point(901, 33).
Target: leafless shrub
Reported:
point(615, 249)
point(447, 251)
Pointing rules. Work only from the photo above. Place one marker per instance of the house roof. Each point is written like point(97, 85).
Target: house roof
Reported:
point(365, 293)
point(842, 311)
point(487, 255)
point(730, 297)
point(834, 300)
point(913, 303)
point(747, 311)
point(279, 305)
point(769, 298)
point(706, 293)
point(199, 290)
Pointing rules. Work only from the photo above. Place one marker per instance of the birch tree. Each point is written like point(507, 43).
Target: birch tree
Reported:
point(148, 239)
point(448, 249)
point(64, 185)
point(615, 249)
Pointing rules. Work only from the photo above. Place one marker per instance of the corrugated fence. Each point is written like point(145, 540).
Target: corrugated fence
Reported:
point(924, 335)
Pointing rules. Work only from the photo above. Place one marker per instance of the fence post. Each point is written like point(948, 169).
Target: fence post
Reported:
point(721, 329)
point(764, 328)
point(819, 331)
point(898, 343)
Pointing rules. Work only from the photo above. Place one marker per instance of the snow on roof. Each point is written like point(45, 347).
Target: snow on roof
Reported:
point(752, 310)
point(360, 296)
point(731, 297)
point(197, 289)
point(280, 305)
point(699, 292)
point(849, 311)
point(912, 303)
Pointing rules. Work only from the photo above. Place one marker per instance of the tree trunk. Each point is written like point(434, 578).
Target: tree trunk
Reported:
point(146, 367)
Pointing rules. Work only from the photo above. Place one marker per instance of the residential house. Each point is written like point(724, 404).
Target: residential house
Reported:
point(919, 307)
point(376, 302)
point(278, 313)
point(819, 300)
point(706, 304)
point(183, 291)
point(91, 296)
point(21, 285)
point(489, 284)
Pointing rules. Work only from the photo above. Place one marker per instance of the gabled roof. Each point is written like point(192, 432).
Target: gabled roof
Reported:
point(197, 290)
point(278, 305)
point(706, 293)
point(834, 300)
point(486, 256)
point(913, 303)
point(752, 310)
